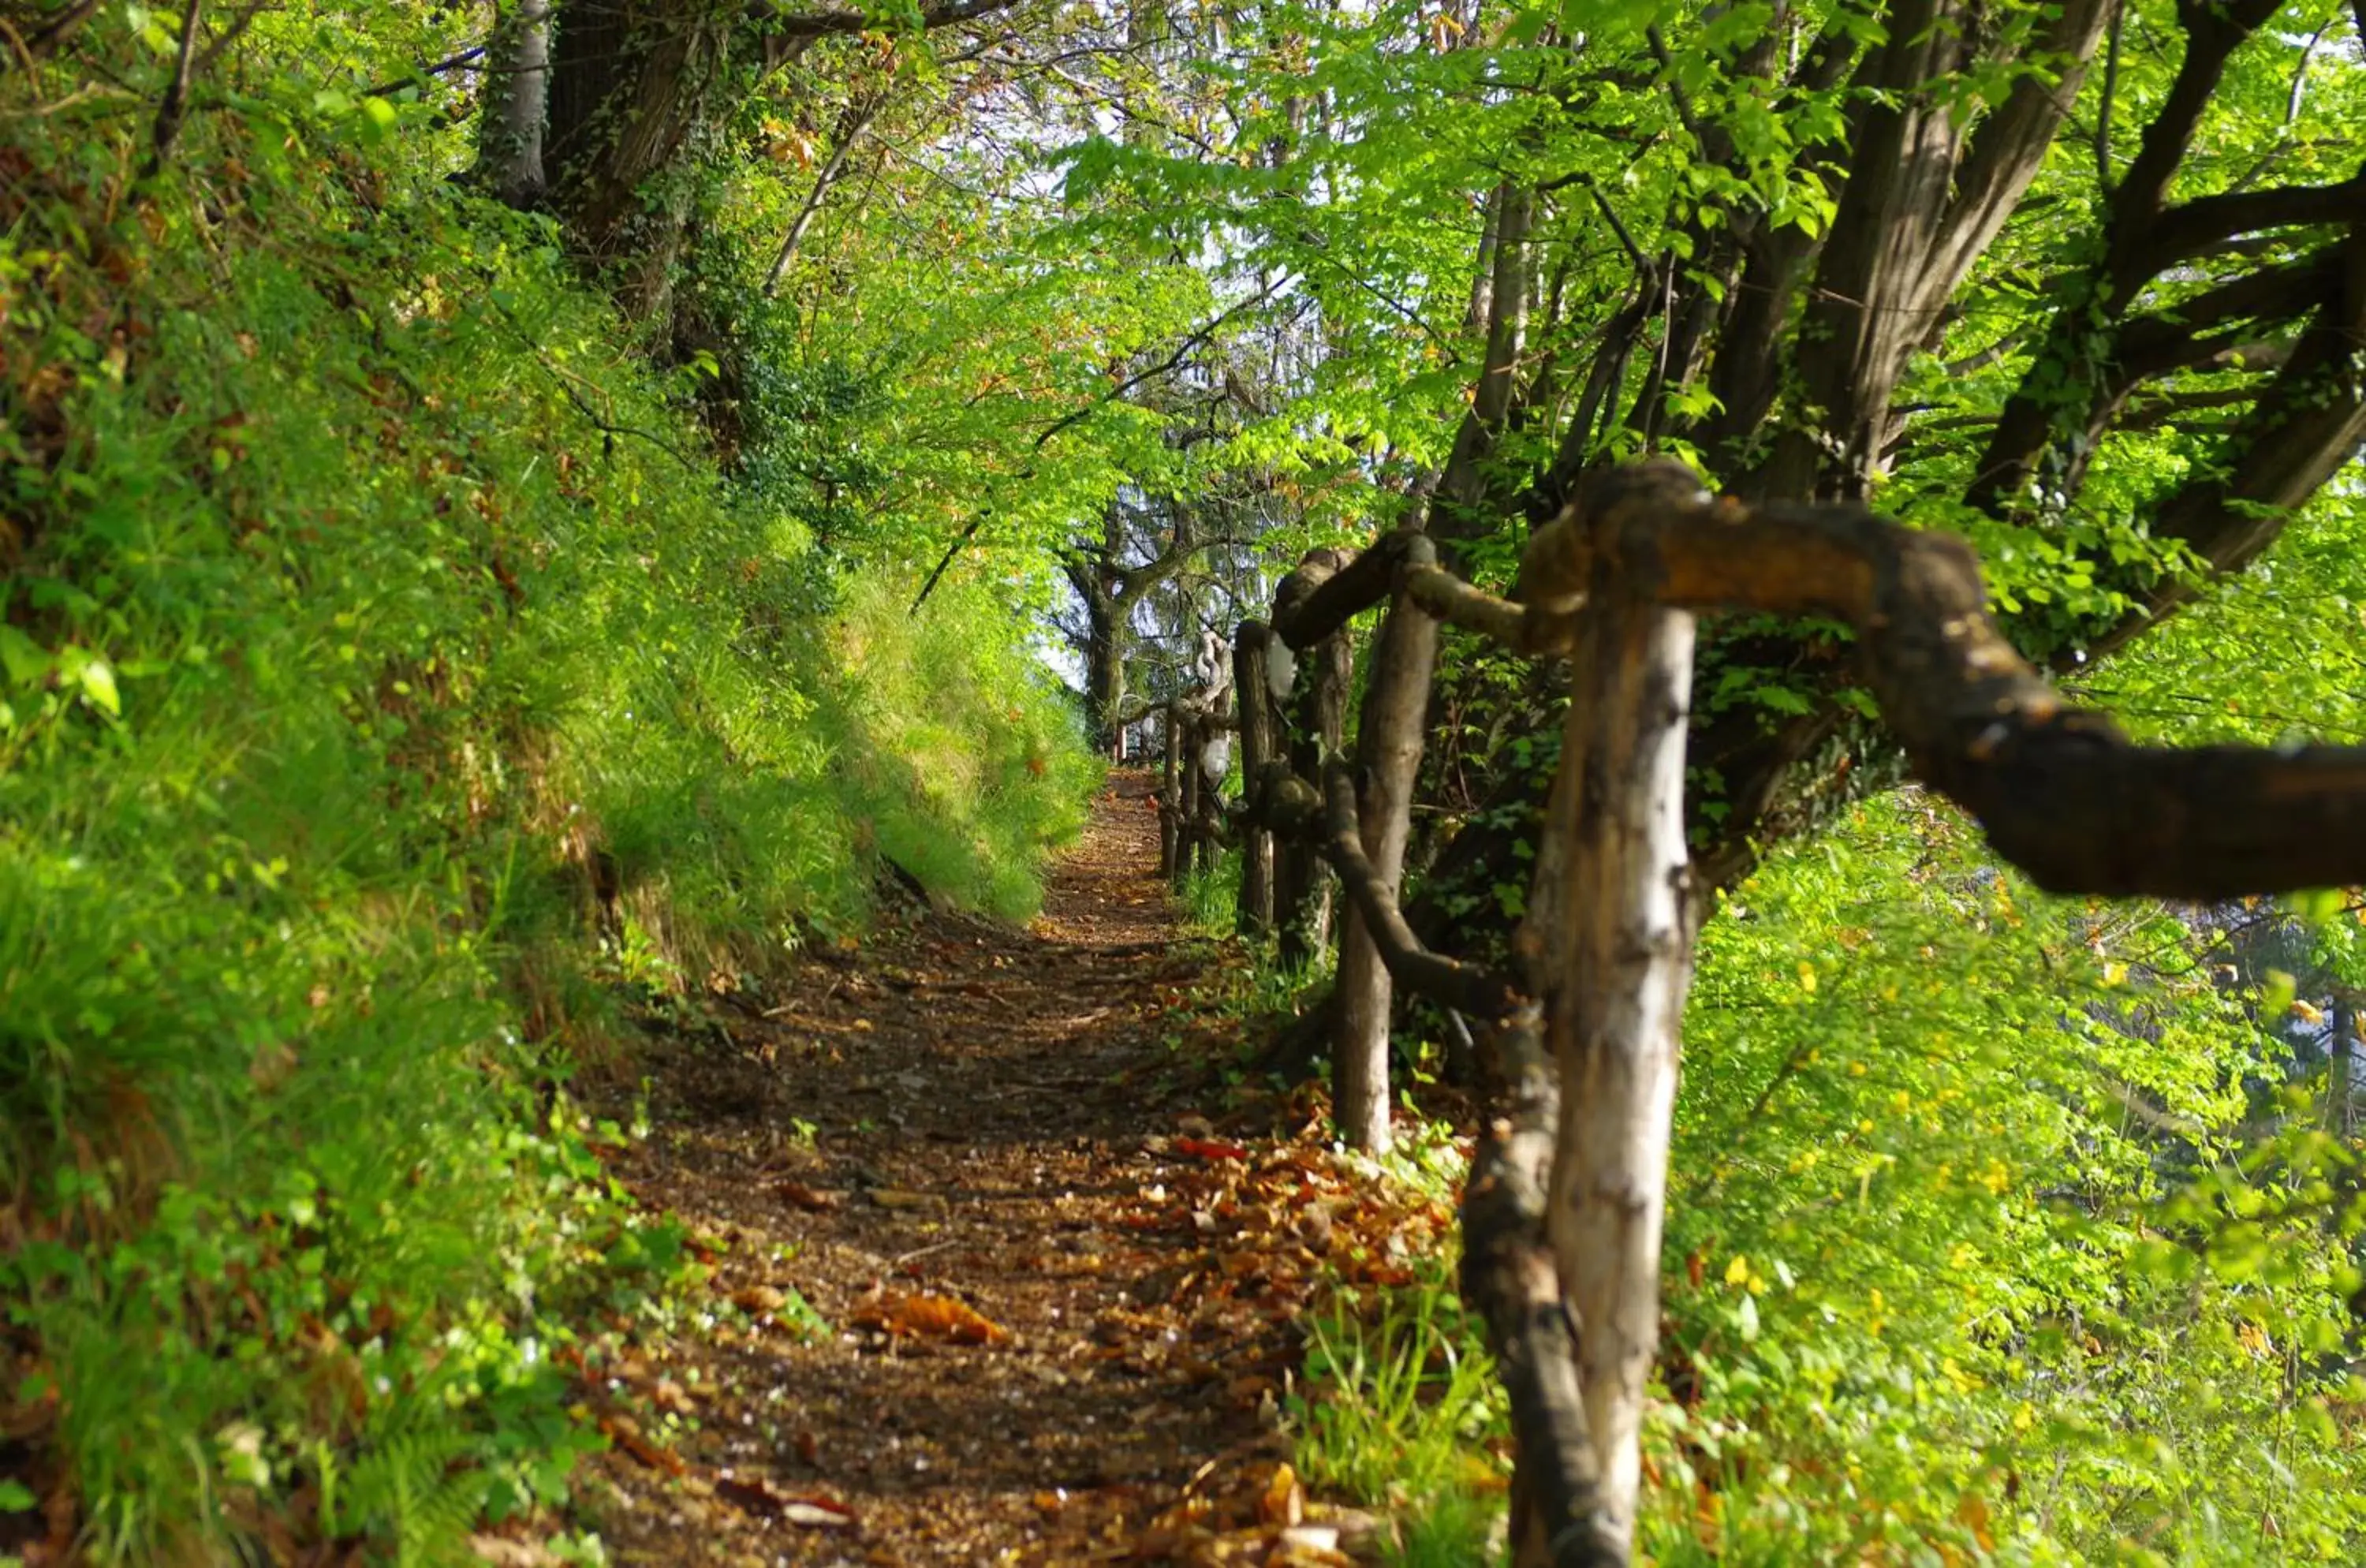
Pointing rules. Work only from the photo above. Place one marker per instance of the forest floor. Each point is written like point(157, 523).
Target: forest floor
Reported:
point(1003, 1271)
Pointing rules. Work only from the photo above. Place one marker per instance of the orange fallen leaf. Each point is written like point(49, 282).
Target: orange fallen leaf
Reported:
point(811, 1200)
point(1209, 1148)
point(759, 1299)
point(931, 1316)
point(1284, 1502)
point(626, 1434)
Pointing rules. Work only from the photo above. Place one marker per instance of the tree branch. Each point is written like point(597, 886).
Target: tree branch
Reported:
point(170, 113)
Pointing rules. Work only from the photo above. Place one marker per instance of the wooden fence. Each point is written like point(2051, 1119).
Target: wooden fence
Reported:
point(1561, 1214)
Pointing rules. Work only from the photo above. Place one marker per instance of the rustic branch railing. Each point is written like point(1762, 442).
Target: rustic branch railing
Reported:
point(1561, 1216)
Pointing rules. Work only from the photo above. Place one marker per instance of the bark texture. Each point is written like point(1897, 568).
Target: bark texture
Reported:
point(517, 90)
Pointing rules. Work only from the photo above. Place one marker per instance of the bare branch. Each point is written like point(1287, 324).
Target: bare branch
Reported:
point(170, 113)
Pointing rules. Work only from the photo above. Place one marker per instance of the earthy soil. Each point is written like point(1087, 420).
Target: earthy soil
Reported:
point(1000, 1273)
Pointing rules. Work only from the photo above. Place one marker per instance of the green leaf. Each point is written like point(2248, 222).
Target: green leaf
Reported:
point(2316, 905)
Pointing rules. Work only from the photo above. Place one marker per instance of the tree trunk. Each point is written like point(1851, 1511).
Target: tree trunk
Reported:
point(517, 91)
point(1613, 960)
point(631, 87)
point(2338, 1056)
point(1186, 802)
point(1105, 652)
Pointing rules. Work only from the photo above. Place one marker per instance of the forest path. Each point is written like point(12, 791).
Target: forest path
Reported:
point(969, 1118)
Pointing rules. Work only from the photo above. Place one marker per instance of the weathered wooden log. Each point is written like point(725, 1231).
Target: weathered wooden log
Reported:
point(2062, 792)
point(1317, 730)
point(1611, 960)
point(1253, 691)
point(1510, 1281)
point(1533, 630)
point(1449, 982)
point(1389, 736)
point(1339, 591)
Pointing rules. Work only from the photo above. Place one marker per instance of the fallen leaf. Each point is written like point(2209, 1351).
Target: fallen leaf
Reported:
point(1309, 1546)
point(811, 1200)
point(1284, 1502)
point(1209, 1148)
point(757, 1494)
point(669, 1395)
point(759, 1299)
point(931, 1316)
point(895, 1198)
point(626, 1434)
point(503, 1552)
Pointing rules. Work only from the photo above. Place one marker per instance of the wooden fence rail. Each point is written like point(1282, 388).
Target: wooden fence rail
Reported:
point(1561, 1214)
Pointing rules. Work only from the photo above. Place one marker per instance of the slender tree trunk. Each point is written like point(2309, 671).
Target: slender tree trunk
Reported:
point(1186, 802)
point(2338, 1056)
point(517, 93)
point(851, 126)
point(1613, 964)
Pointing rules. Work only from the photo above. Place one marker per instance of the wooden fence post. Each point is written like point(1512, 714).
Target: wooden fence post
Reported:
point(1187, 801)
point(1254, 696)
point(1614, 951)
point(1309, 731)
point(1388, 755)
point(1170, 800)
point(1318, 729)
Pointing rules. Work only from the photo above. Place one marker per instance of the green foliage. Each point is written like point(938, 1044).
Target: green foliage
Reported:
point(2000, 1229)
point(1211, 896)
point(385, 678)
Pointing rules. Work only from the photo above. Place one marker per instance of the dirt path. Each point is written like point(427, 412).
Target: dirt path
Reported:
point(971, 1118)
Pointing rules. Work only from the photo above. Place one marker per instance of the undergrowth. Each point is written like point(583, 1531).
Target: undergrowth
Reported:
point(385, 679)
point(1401, 1409)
